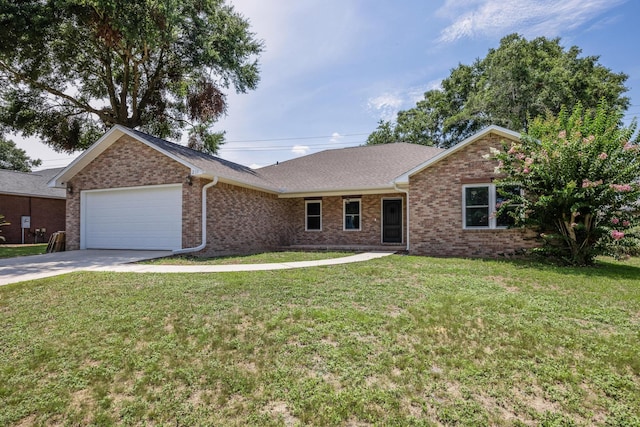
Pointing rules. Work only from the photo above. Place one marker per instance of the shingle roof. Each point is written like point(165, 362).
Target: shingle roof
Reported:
point(365, 167)
point(353, 168)
point(342, 170)
point(30, 184)
point(210, 164)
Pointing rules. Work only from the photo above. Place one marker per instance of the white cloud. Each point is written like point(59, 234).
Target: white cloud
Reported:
point(300, 149)
point(335, 138)
point(387, 105)
point(473, 18)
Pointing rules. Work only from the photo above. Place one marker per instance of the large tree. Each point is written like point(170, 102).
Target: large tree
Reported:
point(71, 68)
point(513, 84)
point(14, 158)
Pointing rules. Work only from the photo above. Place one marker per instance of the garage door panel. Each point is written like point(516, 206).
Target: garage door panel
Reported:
point(138, 218)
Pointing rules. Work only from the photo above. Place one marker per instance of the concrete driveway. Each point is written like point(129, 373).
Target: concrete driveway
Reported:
point(32, 267)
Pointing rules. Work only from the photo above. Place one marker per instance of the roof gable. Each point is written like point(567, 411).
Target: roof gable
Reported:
point(100, 146)
point(371, 168)
point(498, 130)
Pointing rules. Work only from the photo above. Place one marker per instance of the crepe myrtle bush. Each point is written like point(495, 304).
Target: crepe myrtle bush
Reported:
point(579, 173)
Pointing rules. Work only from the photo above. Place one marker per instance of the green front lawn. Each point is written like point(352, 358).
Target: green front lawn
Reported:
point(268, 257)
point(395, 341)
point(10, 251)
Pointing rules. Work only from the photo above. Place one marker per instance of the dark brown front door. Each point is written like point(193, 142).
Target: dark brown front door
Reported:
point(392, 221)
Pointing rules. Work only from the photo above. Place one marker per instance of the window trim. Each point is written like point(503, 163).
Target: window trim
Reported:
point(344, 214)
point(306, 215)
point(493, 220)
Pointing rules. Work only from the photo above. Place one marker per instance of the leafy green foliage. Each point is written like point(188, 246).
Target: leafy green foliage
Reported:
point(14, 158)
point(580, 173)
point(402, 340)
point(80, 66)
point(514, 83)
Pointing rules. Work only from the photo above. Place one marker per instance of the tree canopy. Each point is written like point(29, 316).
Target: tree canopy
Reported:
point(69, 69)
point(580, 179)
point(513, 84)
point(14, 158)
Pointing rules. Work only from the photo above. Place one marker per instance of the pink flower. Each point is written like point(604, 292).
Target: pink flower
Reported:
point(512, 150)
point(562, 134)
point(520, 156)
point(628, 146)
point(526, 170)
point(586, 183)
point(603, 156)
point(617, 235)
point(621, 187)
point(528, 161)
point(614, 220)
point(625, 223)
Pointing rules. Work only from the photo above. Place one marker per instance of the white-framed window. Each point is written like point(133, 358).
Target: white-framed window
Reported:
point(313, 215)
point(480, 204)
point(352, 214)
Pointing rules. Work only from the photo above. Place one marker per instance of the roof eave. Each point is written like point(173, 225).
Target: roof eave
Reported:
point(244, 184)
point(39, 196)
point(327, 192)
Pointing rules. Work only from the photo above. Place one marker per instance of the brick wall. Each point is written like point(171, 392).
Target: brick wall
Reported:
point(333, 233)
point(242, 221)
point(436, 208)
point(45, 213)
point(130, 163)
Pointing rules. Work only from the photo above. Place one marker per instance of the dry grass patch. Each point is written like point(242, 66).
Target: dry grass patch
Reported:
point(395, 341)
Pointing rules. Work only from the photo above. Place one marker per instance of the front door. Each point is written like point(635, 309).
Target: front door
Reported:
point(392, 221)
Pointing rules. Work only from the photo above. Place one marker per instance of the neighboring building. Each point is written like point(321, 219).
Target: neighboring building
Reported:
point(131, 190)
point(25, 194)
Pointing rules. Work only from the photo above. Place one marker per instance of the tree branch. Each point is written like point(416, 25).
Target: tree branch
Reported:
point(23, 78)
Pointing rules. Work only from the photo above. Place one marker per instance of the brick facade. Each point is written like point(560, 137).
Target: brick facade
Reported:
point(126, 163)
point(242, 220)
point(436, 207)
point(333, 233)
point(45, 213)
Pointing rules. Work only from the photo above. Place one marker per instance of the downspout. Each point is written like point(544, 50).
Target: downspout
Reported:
point(202, 245)
point(395, 185)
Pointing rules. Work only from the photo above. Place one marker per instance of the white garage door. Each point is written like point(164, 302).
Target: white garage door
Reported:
point(134, 218)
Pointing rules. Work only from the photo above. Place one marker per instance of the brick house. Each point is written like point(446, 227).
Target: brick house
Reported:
point(131, 190)
point(25, 194)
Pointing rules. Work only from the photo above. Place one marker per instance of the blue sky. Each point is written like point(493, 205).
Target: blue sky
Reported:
point(333, 68)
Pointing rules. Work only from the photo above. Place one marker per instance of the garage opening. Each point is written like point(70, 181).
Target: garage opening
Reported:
point(148, 217)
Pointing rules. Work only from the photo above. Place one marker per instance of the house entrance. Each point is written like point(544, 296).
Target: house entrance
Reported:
point(392, 221)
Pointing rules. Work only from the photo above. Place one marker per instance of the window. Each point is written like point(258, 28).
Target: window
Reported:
point(313, 213)
point(481, 203)
point(352, 214)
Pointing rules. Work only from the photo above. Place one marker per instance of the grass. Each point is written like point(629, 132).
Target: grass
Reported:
point(395, 341)
point(263, 258)
point(10, 251)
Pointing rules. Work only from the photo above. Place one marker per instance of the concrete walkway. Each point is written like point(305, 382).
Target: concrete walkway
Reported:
point(33, 267)
point(13, 270)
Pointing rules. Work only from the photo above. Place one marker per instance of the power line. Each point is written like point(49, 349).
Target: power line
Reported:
point(280, 148)
point(300, 137)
